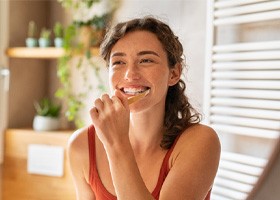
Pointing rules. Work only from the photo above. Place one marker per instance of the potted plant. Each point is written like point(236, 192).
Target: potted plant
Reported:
point(58, 33)
point(44, 40)
point(31, 40)
point(47, 116)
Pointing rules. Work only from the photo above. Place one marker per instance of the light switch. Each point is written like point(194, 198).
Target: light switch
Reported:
point(45, 160)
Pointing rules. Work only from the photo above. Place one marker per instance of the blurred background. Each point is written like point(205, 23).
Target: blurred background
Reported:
point(232, 51)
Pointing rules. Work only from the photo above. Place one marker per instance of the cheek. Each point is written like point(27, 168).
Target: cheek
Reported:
point(162, 77)
point(161, 81)
point(114, 78)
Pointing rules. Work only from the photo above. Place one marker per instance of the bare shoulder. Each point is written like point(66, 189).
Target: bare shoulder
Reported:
point(78, 155)
point(78, 140)
point(193, 164)
point(201, 134)
point(199, 140)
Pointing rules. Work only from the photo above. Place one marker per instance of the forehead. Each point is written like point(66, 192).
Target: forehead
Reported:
point(138, 41)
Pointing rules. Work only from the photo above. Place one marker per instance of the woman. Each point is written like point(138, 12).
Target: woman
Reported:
point(154, 148)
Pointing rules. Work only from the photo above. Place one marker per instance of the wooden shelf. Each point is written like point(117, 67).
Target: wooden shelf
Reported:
point(40, 53)
point(23, 52)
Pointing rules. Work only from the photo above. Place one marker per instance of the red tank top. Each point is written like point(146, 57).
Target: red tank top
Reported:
point(101, 193)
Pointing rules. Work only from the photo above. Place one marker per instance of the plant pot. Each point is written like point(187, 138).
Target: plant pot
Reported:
point(43, 123)
point(58, 42)
point(43, 42)
point(31, 42)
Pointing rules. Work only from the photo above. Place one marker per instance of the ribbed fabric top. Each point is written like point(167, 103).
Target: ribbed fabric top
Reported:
point(101, 193)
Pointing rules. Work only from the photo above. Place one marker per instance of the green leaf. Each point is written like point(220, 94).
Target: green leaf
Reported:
point(60, 93)
point(47, 108)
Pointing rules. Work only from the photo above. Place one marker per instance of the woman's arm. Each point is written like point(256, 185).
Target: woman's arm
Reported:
point(78, 159)
point(194, 167)
point(110, 118)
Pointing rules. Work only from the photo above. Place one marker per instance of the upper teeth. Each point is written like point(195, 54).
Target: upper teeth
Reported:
point(134, 90)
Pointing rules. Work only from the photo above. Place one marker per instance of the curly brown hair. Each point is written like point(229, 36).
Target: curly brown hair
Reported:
point(179, 113)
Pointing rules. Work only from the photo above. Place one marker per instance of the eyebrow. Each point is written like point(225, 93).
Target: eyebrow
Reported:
point(147, 52)
point(118, 54)
point(139, 54)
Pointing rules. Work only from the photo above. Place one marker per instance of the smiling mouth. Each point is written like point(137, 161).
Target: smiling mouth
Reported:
point(134, 91)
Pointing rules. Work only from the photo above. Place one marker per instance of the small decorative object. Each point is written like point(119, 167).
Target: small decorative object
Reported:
point(58, 33)
point(47, 117)
point(31, 41)
point(90, 18)
point(44, 40)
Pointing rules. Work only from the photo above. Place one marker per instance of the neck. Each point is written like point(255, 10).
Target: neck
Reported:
point(146, 129)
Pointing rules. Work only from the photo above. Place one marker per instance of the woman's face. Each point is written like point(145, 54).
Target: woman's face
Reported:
point(138, 63)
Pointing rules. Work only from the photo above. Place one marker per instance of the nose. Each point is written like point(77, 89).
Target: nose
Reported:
point(132, 73)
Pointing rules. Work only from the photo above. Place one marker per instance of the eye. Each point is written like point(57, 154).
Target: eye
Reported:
point(146, 60)
point(117, 63)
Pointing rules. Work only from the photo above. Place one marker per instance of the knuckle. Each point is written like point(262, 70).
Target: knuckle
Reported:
point(97, 101)
point(105, 96)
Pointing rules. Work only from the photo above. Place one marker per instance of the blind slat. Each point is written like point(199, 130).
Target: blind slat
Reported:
point(241, 168)
point(246, 112)
point(248, 103)
point(258, 94)
point(260, 7)
point(247, 65)
point(258, 55)
point(250, 46)
point(243, 178)
point(247, 122)
point(245, 159)
point(232, 3)
point(252, 84)
point(229, 193)
point(270, 15)
point(247, 75)
point(219, 197)
point(234, 185)
point(252, 132)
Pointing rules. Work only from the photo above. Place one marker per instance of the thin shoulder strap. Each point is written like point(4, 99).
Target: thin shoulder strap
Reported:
point(168, 154)
point(164, 170)
point(91, 147)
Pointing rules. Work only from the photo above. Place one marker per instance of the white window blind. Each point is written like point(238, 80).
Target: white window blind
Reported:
point(242, 90)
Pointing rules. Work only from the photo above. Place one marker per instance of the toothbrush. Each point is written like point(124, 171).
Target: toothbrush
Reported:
point(137, 97)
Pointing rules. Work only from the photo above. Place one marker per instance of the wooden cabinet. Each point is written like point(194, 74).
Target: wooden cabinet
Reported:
point(18, 184)
point(33, 76)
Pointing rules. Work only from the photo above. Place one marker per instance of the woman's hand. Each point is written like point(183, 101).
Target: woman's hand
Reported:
point(110, 117)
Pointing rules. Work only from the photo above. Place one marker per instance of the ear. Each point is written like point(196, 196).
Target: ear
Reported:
point(175, 74)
